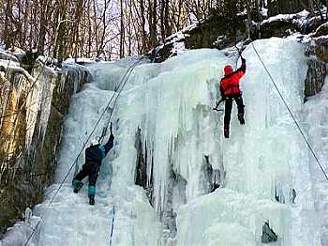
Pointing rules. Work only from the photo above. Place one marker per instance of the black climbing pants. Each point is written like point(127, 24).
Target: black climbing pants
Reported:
point(90, 169)
point(228, 107)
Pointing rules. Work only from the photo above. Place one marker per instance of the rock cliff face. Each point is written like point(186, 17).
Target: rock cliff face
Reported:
point(32, 108)
point(281, 19)
point(318, 59)
point(316, 75)
point(217, 32)
point(321, 42)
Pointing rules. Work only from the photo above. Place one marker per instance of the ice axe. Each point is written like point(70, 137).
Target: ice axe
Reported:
point(104, 131)
point(111, 128)
point(240, 52)
point(218, 104)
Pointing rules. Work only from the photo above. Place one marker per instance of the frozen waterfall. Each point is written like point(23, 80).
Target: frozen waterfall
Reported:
point(164, 125)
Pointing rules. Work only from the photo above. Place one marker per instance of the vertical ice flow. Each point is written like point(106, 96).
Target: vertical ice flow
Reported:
point(259, 168)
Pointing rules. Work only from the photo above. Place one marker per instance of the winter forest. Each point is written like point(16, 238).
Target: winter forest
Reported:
point(110, 29)
point(164, 122)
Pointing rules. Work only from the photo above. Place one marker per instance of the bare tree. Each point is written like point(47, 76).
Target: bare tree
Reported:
point(115, 28)
point(122, 31)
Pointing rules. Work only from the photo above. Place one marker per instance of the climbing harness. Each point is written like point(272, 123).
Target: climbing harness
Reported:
point(291, 114)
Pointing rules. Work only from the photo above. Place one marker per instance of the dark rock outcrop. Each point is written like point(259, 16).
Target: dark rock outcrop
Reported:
point(213, 178)
point(215, 32)
point(315, 78)
point(317, 52)
point(206, 34)
point(221, 32)
point(321, 48)
point(268, 235)
point(284, 7)
point(280, 27)
point(141, 173)
point(175, 194)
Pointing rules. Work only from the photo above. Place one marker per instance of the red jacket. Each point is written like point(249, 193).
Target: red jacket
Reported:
point(229, 85)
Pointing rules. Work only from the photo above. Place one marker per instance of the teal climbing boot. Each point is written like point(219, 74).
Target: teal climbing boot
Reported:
point(77, 185)
point(91, 194)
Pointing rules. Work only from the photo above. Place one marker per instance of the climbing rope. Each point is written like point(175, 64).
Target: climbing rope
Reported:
point(120, 89)
point(112, 227)
point(291, 114)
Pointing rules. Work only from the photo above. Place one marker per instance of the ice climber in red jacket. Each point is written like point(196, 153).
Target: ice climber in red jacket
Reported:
point(229, 88)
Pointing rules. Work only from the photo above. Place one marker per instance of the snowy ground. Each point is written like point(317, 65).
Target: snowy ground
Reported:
point(171, 103)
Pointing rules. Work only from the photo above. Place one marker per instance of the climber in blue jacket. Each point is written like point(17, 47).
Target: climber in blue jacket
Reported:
point(93, 157)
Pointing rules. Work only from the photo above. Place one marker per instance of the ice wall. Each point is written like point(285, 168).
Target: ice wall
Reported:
point(119, 217)
point(316, 117)
point(262, 171)
point(262, 166)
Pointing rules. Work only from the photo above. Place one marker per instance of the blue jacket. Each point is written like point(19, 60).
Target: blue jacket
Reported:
point(98, 152)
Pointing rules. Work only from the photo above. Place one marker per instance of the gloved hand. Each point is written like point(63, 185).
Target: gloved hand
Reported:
point(243, 60)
